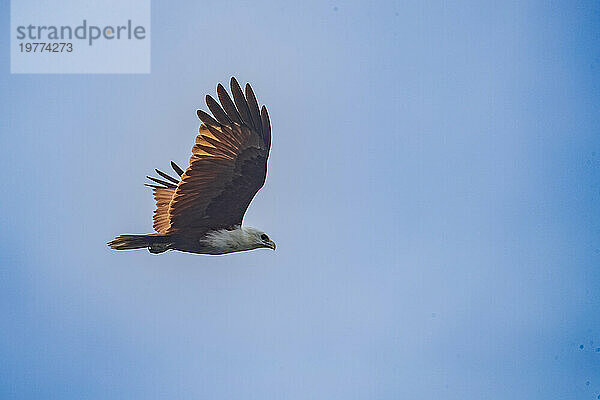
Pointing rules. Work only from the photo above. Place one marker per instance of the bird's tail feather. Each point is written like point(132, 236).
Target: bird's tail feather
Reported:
point(154, 243)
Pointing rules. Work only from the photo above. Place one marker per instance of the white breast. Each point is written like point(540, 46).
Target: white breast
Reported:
point(228, 241)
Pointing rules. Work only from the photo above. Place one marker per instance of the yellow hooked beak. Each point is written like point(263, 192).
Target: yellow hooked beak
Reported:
point(271, 245)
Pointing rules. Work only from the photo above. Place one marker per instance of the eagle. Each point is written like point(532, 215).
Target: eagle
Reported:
point(201, 210)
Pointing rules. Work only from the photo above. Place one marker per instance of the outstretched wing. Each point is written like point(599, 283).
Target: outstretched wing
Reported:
point(228, 165)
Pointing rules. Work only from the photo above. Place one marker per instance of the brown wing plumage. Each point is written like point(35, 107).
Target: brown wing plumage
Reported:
point(161, 214)
point(228, 166)
point(163, 191)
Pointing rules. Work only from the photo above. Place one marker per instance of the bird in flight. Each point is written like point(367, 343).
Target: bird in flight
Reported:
point(201, 210)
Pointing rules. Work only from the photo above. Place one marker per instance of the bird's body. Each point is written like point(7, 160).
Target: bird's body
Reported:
point(202, 211)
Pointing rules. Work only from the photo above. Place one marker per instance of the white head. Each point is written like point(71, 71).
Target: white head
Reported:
point(239, 239)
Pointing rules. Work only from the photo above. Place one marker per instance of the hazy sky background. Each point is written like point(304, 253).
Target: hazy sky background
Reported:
point(433, 189)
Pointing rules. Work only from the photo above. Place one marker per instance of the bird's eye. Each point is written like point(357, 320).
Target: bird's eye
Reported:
point(264, 237)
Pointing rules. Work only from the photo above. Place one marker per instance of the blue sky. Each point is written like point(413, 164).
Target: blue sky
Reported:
point(433, 189)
